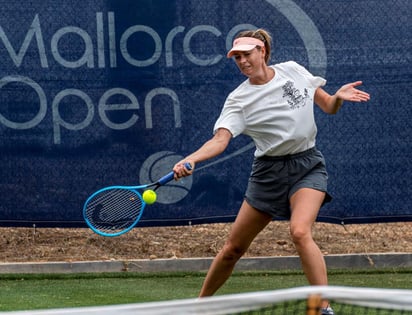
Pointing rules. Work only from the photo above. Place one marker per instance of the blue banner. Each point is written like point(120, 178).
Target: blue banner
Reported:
point(99, 93)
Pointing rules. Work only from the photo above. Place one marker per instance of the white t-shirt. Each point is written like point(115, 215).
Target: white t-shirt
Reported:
point(278, 115)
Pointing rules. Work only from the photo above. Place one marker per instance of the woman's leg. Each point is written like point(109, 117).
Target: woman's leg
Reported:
point(305, 205)
point(249, 222)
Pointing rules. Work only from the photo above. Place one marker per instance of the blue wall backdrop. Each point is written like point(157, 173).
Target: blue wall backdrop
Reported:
point(98, 93)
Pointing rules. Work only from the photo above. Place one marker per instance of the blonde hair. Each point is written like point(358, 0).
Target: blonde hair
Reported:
point(262, 35)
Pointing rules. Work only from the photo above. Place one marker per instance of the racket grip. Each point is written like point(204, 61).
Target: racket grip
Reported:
point(188, 166)
point(167, 178)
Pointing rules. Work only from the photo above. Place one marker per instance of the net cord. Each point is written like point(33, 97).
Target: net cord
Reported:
point(395, 299)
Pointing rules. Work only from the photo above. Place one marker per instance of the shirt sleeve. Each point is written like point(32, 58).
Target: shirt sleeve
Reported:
point(231, 118)
point(314, 81)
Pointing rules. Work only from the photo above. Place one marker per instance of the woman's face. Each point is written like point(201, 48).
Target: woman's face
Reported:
point(250, 62)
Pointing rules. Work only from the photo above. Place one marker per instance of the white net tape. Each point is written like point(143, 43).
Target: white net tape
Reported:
point(391, 300)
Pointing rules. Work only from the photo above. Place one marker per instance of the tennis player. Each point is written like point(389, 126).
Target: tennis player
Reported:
point(274, 106)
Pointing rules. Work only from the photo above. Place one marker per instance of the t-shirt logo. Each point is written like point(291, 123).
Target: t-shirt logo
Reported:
point(294, 97)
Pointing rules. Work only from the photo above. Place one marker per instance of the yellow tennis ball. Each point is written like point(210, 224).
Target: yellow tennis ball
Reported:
point(149, 196)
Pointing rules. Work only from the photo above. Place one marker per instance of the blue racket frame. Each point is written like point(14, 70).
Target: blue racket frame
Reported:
point(134, 190)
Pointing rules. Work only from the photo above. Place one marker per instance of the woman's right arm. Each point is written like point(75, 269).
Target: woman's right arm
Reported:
point(208, 150)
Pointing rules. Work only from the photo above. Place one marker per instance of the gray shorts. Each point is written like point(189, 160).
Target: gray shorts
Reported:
point(273, 180)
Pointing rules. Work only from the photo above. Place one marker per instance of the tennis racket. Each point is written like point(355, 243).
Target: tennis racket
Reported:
point(115, 210)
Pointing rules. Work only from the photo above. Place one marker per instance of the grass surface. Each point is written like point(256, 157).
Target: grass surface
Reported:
point(25, 292)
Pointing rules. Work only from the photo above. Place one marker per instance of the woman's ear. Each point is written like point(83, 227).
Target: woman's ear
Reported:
point(263, 51)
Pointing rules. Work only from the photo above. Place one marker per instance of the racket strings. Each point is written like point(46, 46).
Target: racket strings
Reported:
point(113, 210)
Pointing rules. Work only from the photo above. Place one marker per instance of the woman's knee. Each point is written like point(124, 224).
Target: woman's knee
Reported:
point(232, 252)
point(300, 234)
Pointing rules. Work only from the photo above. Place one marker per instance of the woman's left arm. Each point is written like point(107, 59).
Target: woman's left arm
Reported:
point(332, 103)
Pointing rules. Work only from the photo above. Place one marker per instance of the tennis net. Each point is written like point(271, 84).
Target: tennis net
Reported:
point(301, 300)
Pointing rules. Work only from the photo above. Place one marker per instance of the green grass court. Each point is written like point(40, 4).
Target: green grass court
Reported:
point(26, 292)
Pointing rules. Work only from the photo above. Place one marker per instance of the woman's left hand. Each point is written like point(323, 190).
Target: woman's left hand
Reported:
point(349, 92)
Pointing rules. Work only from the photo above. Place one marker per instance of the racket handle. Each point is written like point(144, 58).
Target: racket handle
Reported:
point(167, 178)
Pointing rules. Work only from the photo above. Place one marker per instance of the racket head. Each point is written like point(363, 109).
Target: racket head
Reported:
point(113, 211)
